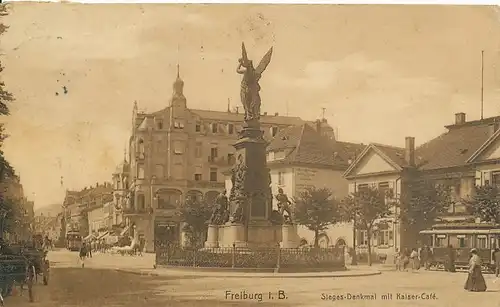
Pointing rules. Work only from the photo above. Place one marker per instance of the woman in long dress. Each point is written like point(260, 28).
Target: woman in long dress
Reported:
point(475, 280)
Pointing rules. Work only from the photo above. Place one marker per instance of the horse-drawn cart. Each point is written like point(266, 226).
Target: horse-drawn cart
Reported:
point(13, 271)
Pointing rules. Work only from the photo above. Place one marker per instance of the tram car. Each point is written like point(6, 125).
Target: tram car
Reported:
point(462, 237)
point(73, 241)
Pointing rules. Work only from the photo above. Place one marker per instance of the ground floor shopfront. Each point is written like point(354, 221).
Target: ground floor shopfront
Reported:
point(156, 229)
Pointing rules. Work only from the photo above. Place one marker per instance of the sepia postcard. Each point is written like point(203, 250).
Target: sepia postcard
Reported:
point(249, 155)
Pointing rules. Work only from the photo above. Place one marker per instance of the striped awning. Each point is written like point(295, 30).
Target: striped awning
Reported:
point(103, 235)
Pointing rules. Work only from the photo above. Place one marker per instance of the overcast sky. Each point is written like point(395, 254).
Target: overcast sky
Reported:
point(381, 72)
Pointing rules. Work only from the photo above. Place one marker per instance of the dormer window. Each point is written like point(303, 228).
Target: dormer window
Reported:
point(274, 131)
point(198, 127)
point(230, 128)
point(178, 125)
point(215, 127)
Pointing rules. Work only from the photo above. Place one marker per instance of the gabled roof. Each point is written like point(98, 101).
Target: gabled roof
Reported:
point(484, 147)
point(453, 148)
point(304, 145)
point(395, 156)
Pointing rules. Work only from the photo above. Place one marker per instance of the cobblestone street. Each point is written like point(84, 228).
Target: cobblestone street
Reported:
point(98, 285)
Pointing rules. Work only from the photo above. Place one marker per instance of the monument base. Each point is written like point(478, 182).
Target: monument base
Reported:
point(290, 237)
point(212, 237)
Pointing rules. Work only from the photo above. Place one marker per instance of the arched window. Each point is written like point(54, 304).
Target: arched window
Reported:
point(323, 241)
point(195, 194)
point(169, 198)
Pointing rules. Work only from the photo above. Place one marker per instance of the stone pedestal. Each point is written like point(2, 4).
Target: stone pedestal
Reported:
point(212, 237)
point(236, 234)
point(290, 238)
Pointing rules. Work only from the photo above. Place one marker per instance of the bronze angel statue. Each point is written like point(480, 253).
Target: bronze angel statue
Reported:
point(250, 88)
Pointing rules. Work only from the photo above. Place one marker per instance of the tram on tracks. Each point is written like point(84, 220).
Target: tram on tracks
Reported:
point(462, 237)
point(73, 240)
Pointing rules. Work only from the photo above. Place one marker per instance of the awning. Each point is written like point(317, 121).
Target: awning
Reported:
point(88, 237)
point(103, 235)
point(125, 230)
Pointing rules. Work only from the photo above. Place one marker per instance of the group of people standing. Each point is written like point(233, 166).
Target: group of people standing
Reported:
point(475, 280)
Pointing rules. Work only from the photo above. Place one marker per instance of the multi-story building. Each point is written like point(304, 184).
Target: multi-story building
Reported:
point(12, 191)
point(77, 204)
point(179, 152)
point(300, 157)
point(466, 155)
point(49, 226)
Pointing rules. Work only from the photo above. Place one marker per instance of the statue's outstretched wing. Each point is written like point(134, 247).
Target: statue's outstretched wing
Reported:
point(244, 55)
point(264, 62)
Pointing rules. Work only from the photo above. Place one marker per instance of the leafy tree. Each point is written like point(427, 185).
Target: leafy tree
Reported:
point(365, 208)
point(426, 202)
point(485, 203)
point(195, 214)
point(316, 209)
point(6, 170)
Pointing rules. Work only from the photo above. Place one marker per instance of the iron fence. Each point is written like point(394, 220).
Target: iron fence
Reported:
point(258, 258)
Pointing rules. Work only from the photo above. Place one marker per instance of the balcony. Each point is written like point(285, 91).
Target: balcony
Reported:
point(205, 184)
point(221, 161)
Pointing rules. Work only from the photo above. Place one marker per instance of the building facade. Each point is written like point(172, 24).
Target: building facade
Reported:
point(78, 204)
point(466, 155)
point(179, 152)
point(300, 157)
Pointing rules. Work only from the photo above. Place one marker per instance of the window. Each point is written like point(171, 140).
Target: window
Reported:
point(178, 148)
point(230, 159)
point(169, 199)
point(197, 177)
point(140, 146)
point(159, 146)
point(214, 127)
point(178, 125)
point(274, 131)
point(385, 238)
point(159, 124)
point(230, 128)
point(495, 178)
point(363, 186)
point(462, 242)
point(198, 150)
point(214, 152)
point(140, 171)
point(197, 128)
point(141, 202)
point(281, 178)
point(213, 174)
point(481, 242)
point(159, 171)
point(270, 156)
point(362, 238)
point(440, 241)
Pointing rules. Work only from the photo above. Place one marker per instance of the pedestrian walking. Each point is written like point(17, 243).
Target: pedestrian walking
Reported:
point(83, 254)
point(475, 281)
point(397, 260)
point(414, 260)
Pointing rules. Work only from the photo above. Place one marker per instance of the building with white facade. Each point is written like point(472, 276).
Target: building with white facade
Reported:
point(300, 157)
point(467, 154)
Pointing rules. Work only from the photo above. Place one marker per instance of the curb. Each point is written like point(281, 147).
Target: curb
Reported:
point(282, 275)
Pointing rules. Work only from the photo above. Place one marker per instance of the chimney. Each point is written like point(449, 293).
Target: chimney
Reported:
point(460, 118)
point(265, 113)
point(410, 150)
point(318, 126)
point(97, 184)
point(276, 114)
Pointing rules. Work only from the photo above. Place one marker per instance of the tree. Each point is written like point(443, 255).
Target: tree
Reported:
point(6, 170)
point(365, 208)
point(316, 209)
point(485, 203)
point(195, 214)
point(426, 202)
